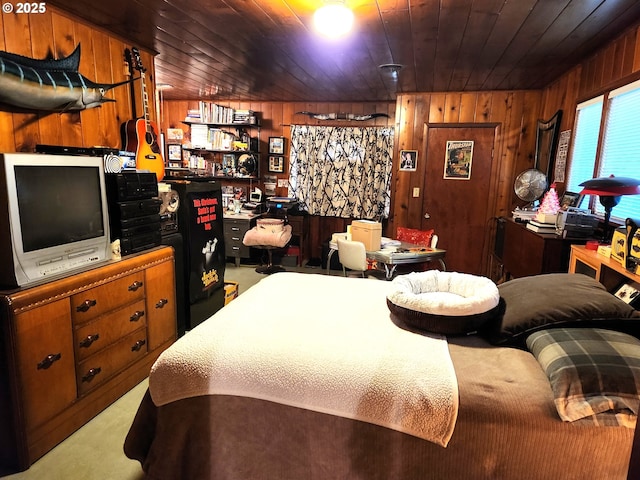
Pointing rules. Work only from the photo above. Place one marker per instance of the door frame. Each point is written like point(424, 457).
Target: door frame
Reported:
point(495, 175)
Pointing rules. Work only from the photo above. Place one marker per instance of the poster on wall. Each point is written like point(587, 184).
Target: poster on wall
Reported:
point(408, 160)
point(561, 156)
point(458, 159)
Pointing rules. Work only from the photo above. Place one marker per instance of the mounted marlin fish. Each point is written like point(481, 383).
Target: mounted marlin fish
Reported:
point(51, 85)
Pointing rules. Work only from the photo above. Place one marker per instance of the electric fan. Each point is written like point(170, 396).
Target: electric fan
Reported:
point(530, 185)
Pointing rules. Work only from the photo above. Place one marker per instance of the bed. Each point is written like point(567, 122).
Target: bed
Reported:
point(210, 415)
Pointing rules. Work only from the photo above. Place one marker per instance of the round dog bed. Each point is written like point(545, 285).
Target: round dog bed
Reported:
point(449, 303)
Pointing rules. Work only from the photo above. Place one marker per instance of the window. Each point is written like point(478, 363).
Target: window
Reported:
point(342, 171)
point(620, 145)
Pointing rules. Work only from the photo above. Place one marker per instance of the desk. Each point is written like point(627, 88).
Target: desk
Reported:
point(529, 253)
point(391, 258)
point(235, 226)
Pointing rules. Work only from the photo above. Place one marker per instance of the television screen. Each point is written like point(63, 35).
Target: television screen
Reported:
point(58, 205)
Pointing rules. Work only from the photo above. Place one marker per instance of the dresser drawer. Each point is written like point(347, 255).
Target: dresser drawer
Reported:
point(45, 361)
point(101, 299)
point(98, 368)
point(233, 246)
point(97, 334)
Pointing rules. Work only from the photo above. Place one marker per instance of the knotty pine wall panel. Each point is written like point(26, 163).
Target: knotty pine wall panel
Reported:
point(613, 65)
point(276, 119)
point(514, 111)
point(102, 60)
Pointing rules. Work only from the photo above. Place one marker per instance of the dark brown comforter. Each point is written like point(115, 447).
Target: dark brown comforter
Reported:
point(507, 428)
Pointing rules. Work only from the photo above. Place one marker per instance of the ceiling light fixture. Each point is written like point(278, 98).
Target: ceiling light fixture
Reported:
point(392, 68)
point(334, 19)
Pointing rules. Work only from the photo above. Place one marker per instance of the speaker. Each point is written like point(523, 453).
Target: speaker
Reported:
point(619, 245)
point(633, 245)
point(170, 201)
point(182, 280)
point(169, 211)
point(498, 248)
point(112, 163)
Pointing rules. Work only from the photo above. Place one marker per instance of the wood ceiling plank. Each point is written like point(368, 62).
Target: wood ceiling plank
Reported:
point(454, 17)
point(481, 22)
point(512, 15)
point(263, 50)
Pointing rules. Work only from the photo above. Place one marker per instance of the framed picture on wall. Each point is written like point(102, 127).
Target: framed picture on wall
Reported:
point(628, 293)
point(276, 145)
point(276, 164)
point(408, 160)
point(458, 159)
point(570, 199)
point(175, 152)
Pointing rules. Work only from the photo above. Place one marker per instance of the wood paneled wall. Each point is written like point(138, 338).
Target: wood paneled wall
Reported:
point(515, 111)
point(275, 121)
point(55, 34)
point(612, 66)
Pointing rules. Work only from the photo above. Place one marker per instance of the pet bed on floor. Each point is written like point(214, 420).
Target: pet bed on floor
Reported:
point(448, 303)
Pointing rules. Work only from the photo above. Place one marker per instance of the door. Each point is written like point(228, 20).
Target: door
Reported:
point(459, 206)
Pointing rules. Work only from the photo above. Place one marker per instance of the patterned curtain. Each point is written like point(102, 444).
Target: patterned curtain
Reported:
point(342, 171)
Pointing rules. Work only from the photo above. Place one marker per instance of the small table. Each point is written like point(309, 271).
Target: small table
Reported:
point(393, 256)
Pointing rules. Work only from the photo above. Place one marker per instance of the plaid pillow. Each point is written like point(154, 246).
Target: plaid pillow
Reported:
point(594, 373)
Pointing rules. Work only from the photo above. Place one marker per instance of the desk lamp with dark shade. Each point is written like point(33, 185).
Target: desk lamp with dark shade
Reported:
point(610, 189)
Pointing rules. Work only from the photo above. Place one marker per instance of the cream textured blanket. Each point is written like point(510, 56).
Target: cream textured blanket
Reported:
point(321, 343)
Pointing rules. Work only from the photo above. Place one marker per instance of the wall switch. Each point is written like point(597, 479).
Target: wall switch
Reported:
point(416, 192)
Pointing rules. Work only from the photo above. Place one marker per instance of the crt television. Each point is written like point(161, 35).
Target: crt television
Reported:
point(53, 216)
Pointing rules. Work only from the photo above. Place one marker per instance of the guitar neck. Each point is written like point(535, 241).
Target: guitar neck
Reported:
point(145, 102)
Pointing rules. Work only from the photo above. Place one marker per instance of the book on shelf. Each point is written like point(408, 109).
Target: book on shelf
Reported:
point(546, 228)
point(545, 218)
point(540, 224)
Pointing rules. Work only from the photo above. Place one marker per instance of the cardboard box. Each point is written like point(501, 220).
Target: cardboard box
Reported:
point(230, 291)
point(367, 232)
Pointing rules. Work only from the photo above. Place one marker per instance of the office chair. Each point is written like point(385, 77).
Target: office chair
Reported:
point(353, 256)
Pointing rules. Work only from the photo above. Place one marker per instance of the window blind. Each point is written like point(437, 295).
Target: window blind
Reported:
point(621, 145)
point(585, 143)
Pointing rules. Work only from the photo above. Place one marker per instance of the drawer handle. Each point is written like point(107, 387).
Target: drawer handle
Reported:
point(135, 286)
point(88, 340)
point(86, 305)
point(138, 314)
point(138, 345)
point(235, 239)
point(91, 373)
point(49, 360)
point(235, 229)
point(162, 302)
point(235, 248)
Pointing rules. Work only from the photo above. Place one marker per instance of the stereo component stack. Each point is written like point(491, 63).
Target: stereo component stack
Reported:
point(134, 210)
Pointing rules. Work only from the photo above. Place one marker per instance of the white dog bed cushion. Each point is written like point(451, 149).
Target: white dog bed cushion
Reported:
point(449, 303)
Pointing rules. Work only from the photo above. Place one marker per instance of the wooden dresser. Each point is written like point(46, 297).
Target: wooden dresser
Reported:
point(73, 346)
point(529, 253)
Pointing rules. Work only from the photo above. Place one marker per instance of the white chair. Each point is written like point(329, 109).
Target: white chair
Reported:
point(434, 241)
point(353, 256)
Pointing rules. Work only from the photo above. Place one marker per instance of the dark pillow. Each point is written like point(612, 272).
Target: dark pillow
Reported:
point(594, 373)
point(557, 299)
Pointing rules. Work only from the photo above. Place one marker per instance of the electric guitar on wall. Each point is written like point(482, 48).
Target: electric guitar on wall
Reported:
point(141, 135)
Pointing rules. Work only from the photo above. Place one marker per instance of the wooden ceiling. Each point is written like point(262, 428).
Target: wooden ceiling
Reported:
point(266, 50)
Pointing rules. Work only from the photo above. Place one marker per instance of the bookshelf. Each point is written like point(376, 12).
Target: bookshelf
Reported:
point(223, 142)
point(606, 270)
